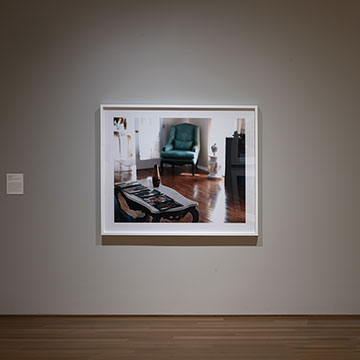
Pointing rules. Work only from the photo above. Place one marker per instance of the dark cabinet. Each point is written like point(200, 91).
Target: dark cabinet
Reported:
point(235, 164)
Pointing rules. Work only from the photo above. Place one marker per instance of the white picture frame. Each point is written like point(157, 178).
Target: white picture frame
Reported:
point(218, 114)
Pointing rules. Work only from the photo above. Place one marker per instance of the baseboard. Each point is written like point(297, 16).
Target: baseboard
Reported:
point(205, 168)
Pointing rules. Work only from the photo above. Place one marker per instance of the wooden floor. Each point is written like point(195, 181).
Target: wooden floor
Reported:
point(216, 204)
point(180, 337)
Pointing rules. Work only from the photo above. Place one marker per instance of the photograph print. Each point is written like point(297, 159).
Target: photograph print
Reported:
point(179, 170)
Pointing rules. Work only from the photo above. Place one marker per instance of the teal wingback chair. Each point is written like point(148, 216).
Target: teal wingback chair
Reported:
point(183, 146)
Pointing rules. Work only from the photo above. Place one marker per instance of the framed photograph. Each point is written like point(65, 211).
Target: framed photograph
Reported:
point(179, 170)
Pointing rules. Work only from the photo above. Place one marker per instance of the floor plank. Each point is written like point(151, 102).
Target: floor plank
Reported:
point(180, 337)
point(216, 203)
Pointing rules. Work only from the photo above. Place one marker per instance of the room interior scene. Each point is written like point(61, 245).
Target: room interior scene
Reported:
point(200, 163)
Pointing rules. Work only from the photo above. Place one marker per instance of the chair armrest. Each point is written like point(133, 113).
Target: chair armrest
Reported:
point(168, 147)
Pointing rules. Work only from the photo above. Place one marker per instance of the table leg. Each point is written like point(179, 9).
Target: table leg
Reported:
point(195, 214)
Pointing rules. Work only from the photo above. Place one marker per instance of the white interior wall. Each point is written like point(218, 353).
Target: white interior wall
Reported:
point(298, 60)
point(204, 126)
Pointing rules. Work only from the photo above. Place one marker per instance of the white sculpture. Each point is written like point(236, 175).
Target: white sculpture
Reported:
point(214, 149)
point(213, 164)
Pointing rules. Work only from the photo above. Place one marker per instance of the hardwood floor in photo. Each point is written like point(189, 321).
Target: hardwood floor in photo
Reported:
point(180, 337)
point(216, 203)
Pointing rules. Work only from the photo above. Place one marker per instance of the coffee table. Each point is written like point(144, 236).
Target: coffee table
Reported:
point(176, 214)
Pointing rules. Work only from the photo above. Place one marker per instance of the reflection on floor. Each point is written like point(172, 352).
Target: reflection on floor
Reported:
point(216, 204)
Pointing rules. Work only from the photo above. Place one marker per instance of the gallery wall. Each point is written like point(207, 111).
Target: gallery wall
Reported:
point(297, 60)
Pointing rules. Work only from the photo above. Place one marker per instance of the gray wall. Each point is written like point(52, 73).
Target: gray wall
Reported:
point(298, 60)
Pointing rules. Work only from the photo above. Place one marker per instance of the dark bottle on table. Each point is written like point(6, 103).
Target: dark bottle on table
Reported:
point(156, 177)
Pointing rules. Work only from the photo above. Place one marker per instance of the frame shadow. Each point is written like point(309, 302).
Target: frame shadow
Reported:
point(151, 240)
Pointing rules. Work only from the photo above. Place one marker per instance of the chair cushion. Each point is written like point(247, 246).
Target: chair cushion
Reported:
point(177, 154)
point(183, 145)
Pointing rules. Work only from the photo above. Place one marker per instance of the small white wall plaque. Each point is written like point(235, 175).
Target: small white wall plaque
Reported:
point(15, 184)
